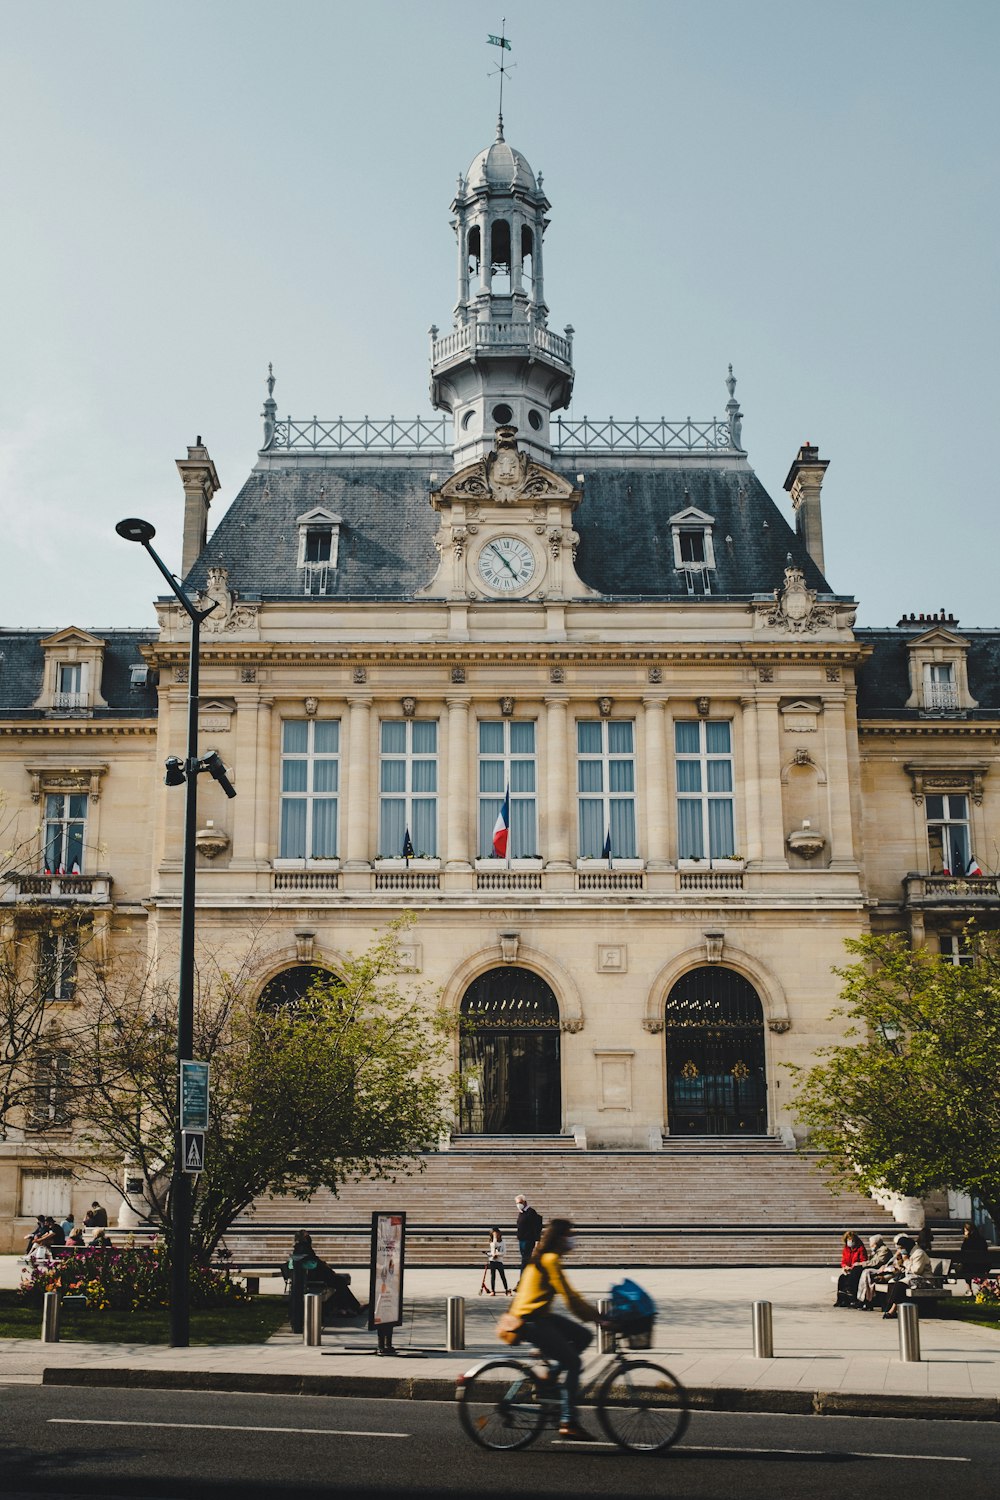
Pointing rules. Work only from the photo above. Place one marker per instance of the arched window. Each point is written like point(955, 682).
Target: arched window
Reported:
point(509, 1055)
point(500, 257)
point(292, 985)
point(716, 1081)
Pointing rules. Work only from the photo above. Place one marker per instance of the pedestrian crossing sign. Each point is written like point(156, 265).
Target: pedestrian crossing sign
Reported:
point(192, 1150)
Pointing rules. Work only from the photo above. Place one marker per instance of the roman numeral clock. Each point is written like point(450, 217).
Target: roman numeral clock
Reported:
point(506, 530)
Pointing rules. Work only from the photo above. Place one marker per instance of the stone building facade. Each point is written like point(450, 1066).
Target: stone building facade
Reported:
point(605, 638)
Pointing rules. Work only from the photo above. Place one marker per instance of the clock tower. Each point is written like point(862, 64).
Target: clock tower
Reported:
point(501, 365)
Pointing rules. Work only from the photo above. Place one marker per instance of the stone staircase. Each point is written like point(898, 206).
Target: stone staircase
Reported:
point(745, 1202)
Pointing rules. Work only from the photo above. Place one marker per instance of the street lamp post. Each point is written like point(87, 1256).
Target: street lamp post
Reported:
point(135, 530)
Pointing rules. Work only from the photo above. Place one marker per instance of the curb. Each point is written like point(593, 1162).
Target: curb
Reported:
point(429, 1388)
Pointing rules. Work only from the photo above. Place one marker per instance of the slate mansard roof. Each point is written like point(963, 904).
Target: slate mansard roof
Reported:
point(386, 545)
point(22, 664)
point(884, 679)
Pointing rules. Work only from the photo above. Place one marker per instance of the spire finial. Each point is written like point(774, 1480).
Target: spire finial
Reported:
point(499, 127)
point(733, 412)
point(270, 411)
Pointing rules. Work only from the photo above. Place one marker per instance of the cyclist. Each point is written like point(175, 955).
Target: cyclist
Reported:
point(559, 1338)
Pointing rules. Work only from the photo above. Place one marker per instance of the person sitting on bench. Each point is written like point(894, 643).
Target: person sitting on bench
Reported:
point(316, 1275)
point(916, 1271)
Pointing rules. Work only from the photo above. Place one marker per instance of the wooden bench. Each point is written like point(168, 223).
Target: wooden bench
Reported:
point(928, 1294)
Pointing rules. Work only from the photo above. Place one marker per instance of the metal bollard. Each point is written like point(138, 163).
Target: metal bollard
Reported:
point(605, 1337)
point(763, 1331)
point(455, 1323)
point(909, 1332)
point(50, 1318)
point(312, 1320)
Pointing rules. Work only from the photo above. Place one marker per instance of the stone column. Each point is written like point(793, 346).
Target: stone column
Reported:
point(538, 287)
point(772, 815)
point(751, 780)
point(555, 818)
point(838, 788)
point(655, 747)
point(357, 785)
point(457, 792)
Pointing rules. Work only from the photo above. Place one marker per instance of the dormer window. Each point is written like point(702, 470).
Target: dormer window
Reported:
point(694, 553)
point(71, 680)
point(319, 543)
point(939, 680)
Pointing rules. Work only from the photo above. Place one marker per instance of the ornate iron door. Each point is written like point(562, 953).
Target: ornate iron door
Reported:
point(509, 1055)
point(716, 1076)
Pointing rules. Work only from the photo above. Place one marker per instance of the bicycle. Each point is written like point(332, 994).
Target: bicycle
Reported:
point(504, 1404)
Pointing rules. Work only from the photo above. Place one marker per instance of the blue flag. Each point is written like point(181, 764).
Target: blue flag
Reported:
point(607, 849)
point(407, 845)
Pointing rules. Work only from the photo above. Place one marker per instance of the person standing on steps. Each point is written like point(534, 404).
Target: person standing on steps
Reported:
point(529, 1228)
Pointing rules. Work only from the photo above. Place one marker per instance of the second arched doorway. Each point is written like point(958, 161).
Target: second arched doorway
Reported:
point(509, 1055)
point(716, 1075)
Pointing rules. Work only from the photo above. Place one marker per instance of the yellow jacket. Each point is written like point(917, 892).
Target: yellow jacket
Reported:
point(536, 1289)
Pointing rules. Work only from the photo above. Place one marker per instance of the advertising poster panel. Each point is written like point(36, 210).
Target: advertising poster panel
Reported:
point(385, 1293)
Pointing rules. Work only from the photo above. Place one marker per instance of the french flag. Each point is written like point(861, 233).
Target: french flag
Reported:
point(974, 867)
point(501, 828)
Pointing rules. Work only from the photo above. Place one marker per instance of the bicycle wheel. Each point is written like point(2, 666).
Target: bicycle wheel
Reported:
point(642, 1407)
point(497, 1405)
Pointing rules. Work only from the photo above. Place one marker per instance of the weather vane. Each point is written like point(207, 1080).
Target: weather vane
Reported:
point(503, 42)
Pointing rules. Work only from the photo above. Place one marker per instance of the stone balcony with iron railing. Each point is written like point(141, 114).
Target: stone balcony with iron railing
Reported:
point(90, 890)
point(576, 437)
point(955, 893)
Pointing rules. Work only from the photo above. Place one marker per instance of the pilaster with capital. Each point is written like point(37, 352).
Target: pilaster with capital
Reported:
point(838, 776)
point(357, 783)
point(655, 741)
point(555, 814)
point(751, 780)
point(457, 798)
point(772, 815)
point(251, 768)
point(264, 846)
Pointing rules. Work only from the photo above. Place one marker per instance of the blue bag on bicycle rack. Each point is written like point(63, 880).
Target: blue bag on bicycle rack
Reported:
point(634, 1312)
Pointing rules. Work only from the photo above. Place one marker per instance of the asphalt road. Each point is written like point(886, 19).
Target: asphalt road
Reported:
point(132, 1444)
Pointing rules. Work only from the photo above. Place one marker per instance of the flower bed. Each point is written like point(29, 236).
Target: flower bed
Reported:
point(131, 1279)
point(988, 1290)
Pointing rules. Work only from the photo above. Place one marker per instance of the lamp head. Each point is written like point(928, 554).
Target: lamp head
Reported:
point(135, 530)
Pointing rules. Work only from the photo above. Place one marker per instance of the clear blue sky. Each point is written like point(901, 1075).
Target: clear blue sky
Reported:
point(806, 189)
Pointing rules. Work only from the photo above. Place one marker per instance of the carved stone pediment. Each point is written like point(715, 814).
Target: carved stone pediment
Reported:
point(506, 477)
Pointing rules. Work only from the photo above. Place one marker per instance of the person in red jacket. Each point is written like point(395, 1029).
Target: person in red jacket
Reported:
point(852, 1260)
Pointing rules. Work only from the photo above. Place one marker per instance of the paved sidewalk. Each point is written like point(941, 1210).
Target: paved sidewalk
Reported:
point(826, 1359)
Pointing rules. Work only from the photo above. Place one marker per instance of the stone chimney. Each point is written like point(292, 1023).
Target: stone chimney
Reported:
point(804, 482)
point(200, 483)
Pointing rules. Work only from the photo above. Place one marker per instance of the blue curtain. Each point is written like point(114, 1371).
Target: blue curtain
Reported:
point(689, 833)
point(324, 831)
point(293, 828)
point(720, 827)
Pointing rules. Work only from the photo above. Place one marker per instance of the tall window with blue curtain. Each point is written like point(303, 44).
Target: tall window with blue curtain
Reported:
point(507, 759)
point(310, 788)
point(65, 829)
point(704, 763)
point(408, 783)
point(606, 787)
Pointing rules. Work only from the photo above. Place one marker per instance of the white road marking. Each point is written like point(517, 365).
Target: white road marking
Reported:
point(937, 1458)
point(223, 1427)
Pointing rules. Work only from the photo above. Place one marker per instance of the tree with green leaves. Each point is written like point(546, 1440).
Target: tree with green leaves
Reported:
point(910, 1102)
point(349, 1081)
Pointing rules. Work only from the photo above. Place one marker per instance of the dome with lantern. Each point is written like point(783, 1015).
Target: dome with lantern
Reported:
point(501, 168)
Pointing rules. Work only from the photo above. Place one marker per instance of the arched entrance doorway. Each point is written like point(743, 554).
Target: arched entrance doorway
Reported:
point(716, 1080)
point(509, 1055)
point(291, 985)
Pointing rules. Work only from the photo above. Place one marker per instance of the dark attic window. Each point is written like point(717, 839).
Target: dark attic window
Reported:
point(319, 542)
point(692, 546)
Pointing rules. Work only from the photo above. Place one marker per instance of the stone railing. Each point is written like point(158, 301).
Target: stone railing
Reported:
point(93, 889)
point(951, 890)
point(530, 337)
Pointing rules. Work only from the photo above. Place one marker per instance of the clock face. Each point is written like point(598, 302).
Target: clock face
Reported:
point(506, 564)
